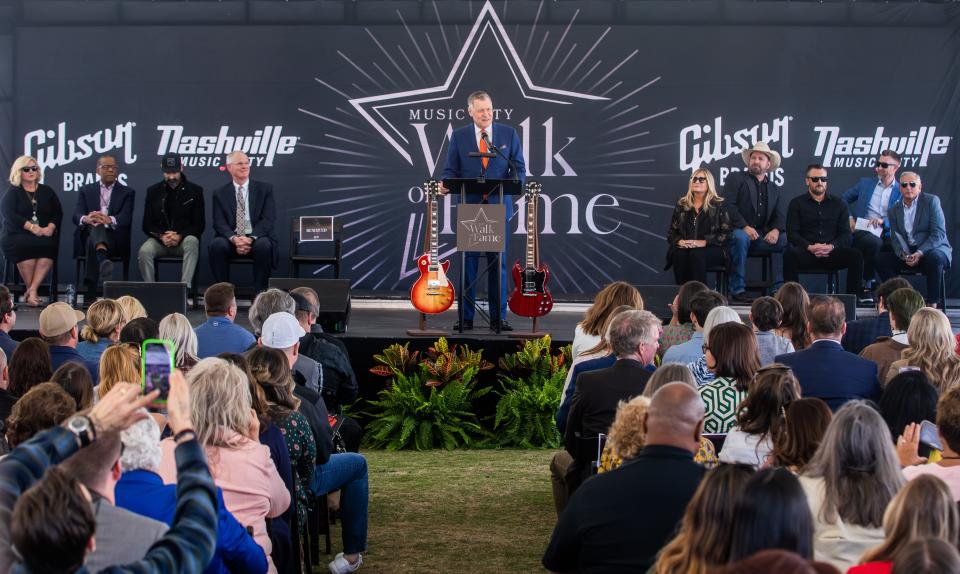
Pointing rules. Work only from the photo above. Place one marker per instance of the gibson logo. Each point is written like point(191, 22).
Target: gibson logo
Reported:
point(263, 146)
point(53, 148)
point(698, 148)
point(915, 148)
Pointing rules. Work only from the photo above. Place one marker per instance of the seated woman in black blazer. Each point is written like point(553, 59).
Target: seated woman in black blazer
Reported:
point(698, 232)
point(31, 216)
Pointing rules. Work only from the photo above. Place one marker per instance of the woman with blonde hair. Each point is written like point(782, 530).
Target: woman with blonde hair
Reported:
point(176, 327)
point(31, 222)
point(591, 329)
point(227, 427)
point(118, 364)
point(699, 230)
point(923, 508)
point(104, 322)
point(132, 308)
point(706, 531)
point(931, 350)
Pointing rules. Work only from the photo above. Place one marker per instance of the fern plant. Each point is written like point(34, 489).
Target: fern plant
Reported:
point(532, 382)
point(428, 404)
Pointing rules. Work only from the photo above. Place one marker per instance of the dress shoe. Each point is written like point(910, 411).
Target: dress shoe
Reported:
point(467, 325)
point(504, 326)
point(742, 298)
point(106, 270)
point(865, 298)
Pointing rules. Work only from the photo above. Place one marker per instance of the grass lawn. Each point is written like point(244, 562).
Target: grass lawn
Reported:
point(462, 511)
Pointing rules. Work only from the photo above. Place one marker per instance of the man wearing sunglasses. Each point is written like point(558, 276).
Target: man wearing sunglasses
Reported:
point(871, 198)
point(757, 211)
point(918, 236)
point(819, 234)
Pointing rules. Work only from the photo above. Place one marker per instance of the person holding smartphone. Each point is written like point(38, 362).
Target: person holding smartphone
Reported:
point(943, 437)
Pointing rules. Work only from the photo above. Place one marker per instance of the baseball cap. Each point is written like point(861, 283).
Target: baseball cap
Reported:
point(171, 163)
point(58, 318)
point(281, 331)
point(303, 304)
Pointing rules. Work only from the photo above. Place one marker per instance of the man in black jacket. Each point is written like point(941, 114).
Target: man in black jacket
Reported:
point(757, 211)
point(173, 221)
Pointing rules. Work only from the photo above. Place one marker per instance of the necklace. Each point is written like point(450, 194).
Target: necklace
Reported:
point(32, 196)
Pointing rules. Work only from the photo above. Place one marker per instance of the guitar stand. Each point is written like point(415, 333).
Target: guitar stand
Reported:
point(533, 333)
point(423, 331)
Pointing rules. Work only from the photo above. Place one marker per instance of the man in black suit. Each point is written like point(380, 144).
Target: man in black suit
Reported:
point(103, 216)
point(863, 332)
point(618, 521)
point(244, 214)
point(757, 211)
point(173, 221)
point(824, 369)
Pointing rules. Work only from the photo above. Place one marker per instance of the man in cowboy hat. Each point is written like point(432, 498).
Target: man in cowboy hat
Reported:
point(757, 213)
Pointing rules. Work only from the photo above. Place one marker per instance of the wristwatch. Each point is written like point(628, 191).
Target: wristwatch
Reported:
point(83, 428)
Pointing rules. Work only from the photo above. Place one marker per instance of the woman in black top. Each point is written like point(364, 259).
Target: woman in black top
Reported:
point(698, 231)
point(31, 217)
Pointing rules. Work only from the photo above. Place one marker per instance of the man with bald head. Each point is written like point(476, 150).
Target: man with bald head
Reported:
point(244, 214)
point(619, 521)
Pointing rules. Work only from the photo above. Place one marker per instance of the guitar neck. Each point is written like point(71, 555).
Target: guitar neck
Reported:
point(432, 233)
point(533, 254)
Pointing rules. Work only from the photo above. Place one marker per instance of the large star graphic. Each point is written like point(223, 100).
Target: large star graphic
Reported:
point(480, 223)
point(487, 22)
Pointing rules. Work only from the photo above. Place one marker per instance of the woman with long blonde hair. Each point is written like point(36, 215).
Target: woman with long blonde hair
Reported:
point(931, 350)
point(923, 508)
point(706, 531)
point(118, 364)
point(104, 322)
point(699, 230)
point(132, 307)
point(591, 329)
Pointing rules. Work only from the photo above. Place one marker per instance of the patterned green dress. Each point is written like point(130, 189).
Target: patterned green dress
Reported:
point(303, 455)
point(721, 399)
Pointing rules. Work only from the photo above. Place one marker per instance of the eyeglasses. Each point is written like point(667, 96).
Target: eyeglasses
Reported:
point(913, 184)
point(885, 165)
point(818, 179)
point(780, 367)
point(27, 168)
point(698, 179)
point(107, 167)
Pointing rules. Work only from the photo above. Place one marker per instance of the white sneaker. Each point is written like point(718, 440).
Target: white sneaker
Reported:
point(341, 565)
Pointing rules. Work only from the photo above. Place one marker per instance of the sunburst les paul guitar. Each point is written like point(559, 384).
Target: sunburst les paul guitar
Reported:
point(433, 292)
point(530, 297)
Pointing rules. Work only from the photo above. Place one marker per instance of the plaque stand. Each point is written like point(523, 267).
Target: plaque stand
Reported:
point(533, 333)
point(423, 331)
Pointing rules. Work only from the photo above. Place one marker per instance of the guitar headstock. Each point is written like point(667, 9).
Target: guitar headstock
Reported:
point(532, 190)
point(432, 189)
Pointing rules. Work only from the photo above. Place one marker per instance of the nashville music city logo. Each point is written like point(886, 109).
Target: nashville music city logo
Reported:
point(915, 148)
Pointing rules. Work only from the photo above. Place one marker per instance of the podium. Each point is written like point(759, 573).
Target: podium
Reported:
point(481, 227)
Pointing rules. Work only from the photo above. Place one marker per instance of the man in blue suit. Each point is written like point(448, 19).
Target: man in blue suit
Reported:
point(243, 219)
point(103, 216)
point(870, 199)
point(824, 369)
point(918, 235)
point(483, 135)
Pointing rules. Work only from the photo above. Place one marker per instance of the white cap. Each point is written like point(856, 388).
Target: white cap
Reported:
point(281, 331)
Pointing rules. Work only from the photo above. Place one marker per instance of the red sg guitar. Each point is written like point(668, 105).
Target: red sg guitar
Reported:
point(432, 293)
point(530, 297)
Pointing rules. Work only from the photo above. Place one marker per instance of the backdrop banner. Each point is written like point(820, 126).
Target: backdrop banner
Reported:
point(349, 121)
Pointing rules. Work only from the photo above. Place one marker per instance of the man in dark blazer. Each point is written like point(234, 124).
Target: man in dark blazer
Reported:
point(757, 211)
point(103, 216)
point(173, 221)
point(918, 234)
point(633, 337)
point(483, 135)
point(863, 332)
point(243, 228)
point(824, 369)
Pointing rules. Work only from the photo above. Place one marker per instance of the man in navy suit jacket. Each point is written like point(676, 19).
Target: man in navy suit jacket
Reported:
point(918, 233)
point(103, 216)
point(824, 369)
point(870, 199)
point(243, 228)
point(463, 141)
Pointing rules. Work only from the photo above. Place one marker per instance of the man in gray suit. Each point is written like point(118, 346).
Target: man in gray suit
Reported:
point(122, 537)
point(918, 234)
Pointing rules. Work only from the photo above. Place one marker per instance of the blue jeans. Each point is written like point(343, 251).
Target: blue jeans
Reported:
point(347, 472)
point(740, 245)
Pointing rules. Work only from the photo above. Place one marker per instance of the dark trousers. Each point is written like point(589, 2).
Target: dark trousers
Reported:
point(470, 276)
point(931, 264)
point(95, 236)
point(798, 259)
point(869, 246)
point(221, 251)
point(691, 264)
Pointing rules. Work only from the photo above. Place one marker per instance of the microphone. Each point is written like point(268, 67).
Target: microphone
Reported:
point(496, 150)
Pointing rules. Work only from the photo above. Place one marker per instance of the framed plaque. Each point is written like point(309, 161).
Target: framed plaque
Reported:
point(316, 228)
point(481, 227)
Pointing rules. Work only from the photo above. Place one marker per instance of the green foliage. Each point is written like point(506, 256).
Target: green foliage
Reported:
point(532, 382)
point(429, 405)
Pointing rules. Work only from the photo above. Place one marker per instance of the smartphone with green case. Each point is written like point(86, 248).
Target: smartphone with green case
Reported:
point(156, 365)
